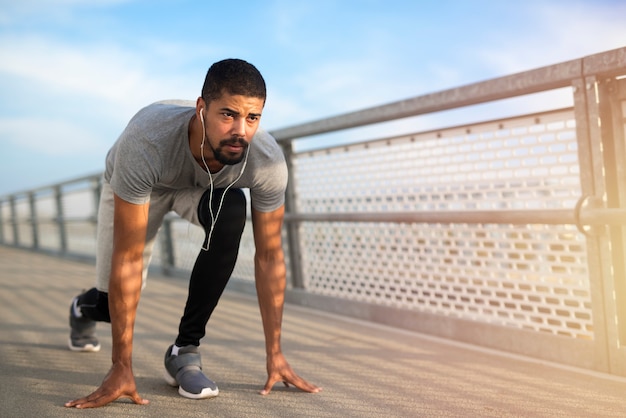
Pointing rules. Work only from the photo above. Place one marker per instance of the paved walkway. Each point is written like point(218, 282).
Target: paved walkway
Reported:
point(366, 370)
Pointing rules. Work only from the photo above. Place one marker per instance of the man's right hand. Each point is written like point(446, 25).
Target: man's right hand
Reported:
point(118, 383)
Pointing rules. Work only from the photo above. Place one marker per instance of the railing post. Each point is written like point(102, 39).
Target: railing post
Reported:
point(14, 223)
point(293, 228)
point(96, 188)
point(58, 195)
point(611, 95)
point(167, 247)
point(33, 219)
point(2, 241)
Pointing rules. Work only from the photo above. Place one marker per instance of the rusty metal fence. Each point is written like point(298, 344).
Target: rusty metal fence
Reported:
point(506, 233)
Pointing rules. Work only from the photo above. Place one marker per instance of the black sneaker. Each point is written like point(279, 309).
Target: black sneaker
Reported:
point(185, 371)
point(83, 331)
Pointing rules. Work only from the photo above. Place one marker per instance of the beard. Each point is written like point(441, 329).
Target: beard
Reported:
point(229, 158)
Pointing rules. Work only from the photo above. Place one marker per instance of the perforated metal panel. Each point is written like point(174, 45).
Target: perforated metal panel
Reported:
point(529, 276)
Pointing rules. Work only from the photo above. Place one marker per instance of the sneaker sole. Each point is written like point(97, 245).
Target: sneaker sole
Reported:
point(206, 393)
point(88, 348)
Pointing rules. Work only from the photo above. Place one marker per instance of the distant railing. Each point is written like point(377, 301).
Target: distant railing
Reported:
point(503, 232)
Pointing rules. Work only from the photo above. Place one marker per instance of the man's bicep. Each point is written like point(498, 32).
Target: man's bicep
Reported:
point(130, 222)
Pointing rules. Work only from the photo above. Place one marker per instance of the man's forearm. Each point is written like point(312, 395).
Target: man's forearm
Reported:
point(129, 234)
point(124, 294)
point(270, 286)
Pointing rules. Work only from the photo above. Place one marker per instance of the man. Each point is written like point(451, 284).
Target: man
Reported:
point(194, 161)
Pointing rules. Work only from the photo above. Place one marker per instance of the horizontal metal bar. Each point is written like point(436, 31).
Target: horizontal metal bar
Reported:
point(55, 220)
point(528, 82)
point(545, 78)
point(601, 217)
point(50, 188)
point(605, 63)
point(552, 217)
point(593, 217)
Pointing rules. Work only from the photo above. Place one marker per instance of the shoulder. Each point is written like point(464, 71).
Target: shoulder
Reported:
point(267, 158)
point(162, 113)
point(268, 173)
point(264, 146)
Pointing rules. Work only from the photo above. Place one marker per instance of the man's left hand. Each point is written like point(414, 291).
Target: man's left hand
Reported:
point(278, 370)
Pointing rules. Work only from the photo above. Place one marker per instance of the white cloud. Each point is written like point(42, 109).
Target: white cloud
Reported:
point(559, 31)
point(12, 11)
point(40, 135)
point(37, 6)
point(110, 82)
point(545, 33)
point(103, 72)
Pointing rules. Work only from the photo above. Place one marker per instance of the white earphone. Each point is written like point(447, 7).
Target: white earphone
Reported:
point(219, 208)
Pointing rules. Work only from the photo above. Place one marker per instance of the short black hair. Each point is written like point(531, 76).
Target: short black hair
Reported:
point(233, 76)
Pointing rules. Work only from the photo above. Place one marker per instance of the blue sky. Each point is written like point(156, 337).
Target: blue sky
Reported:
point(73, 72)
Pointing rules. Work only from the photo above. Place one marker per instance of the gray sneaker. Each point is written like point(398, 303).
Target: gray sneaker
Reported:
point(82, 331)
point(185, 371)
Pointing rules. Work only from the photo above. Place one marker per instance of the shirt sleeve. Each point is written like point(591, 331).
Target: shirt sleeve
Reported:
point(136, 168)
point(269, 183)
point(269, 192)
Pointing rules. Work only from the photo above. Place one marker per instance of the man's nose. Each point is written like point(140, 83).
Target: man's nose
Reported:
point(239, 127)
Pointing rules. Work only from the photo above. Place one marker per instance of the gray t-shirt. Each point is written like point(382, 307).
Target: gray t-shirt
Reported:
point(152, 155)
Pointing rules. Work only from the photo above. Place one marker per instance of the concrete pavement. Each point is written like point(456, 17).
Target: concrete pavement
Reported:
point(366, 370)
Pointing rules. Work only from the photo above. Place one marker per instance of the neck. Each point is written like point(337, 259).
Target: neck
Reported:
point(196, 134)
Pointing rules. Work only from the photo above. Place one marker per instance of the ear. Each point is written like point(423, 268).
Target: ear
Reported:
point(200, 106)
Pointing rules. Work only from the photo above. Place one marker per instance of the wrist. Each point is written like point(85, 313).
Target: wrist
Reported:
point(274, 350)
point(123, 358)
point(123, 365)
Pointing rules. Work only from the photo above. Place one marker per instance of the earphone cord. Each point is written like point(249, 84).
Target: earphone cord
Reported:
point(219, 208)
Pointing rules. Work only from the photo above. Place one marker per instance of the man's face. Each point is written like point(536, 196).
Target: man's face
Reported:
point(230, 124)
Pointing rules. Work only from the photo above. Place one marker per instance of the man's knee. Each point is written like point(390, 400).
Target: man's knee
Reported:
point(224, 209)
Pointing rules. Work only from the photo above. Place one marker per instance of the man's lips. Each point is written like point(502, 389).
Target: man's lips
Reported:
point(234, 146)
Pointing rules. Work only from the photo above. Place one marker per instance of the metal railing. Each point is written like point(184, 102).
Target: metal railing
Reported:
point(504, 232)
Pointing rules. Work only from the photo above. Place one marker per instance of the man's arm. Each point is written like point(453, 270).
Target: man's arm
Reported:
point(270, 278)
point(129, 235)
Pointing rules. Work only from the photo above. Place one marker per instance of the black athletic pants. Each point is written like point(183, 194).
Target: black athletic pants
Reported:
point(210, 273)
